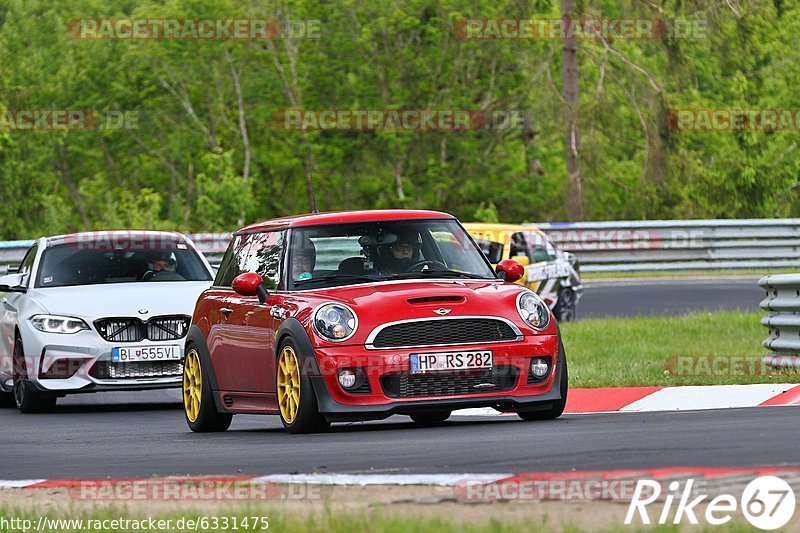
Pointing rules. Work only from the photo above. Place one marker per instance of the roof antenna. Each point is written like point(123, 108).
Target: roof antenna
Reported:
point(315, 211)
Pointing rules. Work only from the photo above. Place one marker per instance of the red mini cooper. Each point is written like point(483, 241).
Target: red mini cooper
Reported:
point(361, 315)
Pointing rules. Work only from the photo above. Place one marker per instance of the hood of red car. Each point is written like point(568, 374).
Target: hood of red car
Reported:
point(379, 303)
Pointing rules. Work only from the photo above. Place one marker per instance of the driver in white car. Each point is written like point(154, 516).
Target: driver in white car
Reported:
point(165, 263)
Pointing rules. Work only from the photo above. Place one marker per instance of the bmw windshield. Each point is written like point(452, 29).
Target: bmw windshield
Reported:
point(65, 265)
point(324, 256)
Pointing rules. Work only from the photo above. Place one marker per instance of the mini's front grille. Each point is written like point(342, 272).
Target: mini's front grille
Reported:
point(137, 370)
point(158, 328)
point(441, 332)
point(451, 383)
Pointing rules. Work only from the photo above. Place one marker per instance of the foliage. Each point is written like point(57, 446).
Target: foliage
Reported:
point(206, 153)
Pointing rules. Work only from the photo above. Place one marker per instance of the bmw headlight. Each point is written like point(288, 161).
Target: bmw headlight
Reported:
point(335, 322)
point(533, 310)
point(58, 324)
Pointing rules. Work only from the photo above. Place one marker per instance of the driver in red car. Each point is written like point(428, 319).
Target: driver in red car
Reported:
point(403, 253)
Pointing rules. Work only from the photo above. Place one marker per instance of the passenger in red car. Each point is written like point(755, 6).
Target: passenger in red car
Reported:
point(302, 265)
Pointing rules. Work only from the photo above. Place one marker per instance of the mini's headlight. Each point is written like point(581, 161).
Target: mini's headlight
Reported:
point(58, 324)
point(533, 310)
point(335, 322)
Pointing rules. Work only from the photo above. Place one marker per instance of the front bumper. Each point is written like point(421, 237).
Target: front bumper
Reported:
point(520, 394)
point(89, 356)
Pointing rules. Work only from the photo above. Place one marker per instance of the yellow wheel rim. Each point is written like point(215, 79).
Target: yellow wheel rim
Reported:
point(192, 385)
point(288, 384)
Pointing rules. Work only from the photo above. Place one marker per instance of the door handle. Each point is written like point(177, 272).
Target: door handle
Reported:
point(226, 311)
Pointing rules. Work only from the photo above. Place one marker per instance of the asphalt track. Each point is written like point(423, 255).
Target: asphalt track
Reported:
point(92, 441)
point(668, 296)
point(142, 434)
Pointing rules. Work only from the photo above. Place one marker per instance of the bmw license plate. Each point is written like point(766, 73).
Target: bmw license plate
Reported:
point(129, 354)
point(432, 362)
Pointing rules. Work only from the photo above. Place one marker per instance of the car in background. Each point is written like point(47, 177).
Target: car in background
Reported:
point(362, 315)
point(97, 311)
point(552, 274)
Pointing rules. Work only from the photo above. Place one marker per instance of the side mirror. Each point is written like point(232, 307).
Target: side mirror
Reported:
point(251, 284)
point(510, 271)
point(12, 283)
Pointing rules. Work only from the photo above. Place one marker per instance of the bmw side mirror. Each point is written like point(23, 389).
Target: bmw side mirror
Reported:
point(510, 271)
point(12, 283)
point(15, 288)
point(251, 284)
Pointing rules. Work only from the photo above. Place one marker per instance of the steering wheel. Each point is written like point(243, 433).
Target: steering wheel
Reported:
point(419, 266)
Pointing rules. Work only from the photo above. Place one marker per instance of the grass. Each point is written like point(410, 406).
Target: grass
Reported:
point(622, 352)
point(756, 272)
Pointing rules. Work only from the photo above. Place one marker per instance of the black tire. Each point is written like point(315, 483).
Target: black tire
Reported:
point(208, 419)
point(430, 418)
point(307, 419)
point(566, 308)
point(27, 397)
point(558, 406)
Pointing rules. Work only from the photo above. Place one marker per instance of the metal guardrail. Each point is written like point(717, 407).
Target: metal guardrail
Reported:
point(212, 245)
point(679, 244)
point(669, 245)
point(783, 304)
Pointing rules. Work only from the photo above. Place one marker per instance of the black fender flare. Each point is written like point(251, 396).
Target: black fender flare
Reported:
point(291, 327)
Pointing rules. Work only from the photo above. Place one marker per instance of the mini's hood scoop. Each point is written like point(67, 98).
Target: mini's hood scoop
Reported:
point(436, 300)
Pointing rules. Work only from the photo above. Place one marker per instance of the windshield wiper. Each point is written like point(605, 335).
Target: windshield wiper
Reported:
point(336, 277)
point(439, 273)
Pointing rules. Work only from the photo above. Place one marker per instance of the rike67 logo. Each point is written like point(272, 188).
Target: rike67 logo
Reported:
point(767, 502)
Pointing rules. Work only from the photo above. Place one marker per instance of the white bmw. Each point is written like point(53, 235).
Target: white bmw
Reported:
point(97, 311)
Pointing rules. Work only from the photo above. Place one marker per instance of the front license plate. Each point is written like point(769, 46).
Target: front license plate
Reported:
point(130, 354)
point(432, 362)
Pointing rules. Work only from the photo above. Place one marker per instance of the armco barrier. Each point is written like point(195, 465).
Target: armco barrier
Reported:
point(783, 304)
point(679, 244)
point(621, 246)
point(212, 245)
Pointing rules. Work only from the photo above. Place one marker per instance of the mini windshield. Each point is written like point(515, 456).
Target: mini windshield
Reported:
point(378, 251)
point(65, 265)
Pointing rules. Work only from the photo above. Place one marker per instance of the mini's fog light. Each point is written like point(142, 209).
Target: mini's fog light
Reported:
point(539, 367)
point(347, 378)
